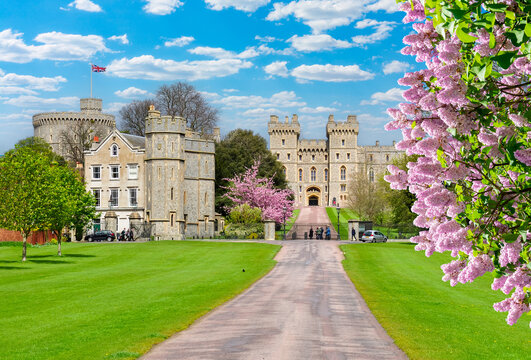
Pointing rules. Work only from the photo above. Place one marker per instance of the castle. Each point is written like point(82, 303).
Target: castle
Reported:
point(165, 179)
point(318, 171)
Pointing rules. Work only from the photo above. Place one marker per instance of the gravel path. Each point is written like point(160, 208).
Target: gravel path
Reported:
point(305, 308)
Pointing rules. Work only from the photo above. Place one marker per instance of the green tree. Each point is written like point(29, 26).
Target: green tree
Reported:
point(39, 145)
point(366, 198)
point(237, 152)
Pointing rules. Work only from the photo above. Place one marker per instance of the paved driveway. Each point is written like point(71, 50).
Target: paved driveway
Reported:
point(305, 308)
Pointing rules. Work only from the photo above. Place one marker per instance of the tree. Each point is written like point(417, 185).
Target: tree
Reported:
point(133, 117)
point(78, 138)
point(182, 99)
point(238, 151)
point(467, 117)
point(39, 145)
point(366, 197)
point(24, 182)
point(248, 188)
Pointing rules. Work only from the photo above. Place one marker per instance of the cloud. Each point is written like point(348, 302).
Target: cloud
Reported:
point(260, 113)
point(34, 101)
point(122, 38)
point(266, 39)
point(281, 99)
point(161, 7)
point(219, 53)
point(149, 68)
point(31, 82)
point(132, 93)
point(15, 90)
point(230, 90)
point(394, 94)
point(323, 15)
point(266, 50)
point(243, 5)
point(85, 5)
point(56, 46)
point(321, 42)
point(179, 42)
point(114, 108)
point(330, 73)
point(277, 68)
point(317, 110)
point(395, 66)
point(382, 30)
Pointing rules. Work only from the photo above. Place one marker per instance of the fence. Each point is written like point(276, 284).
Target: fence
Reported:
point(302, 232)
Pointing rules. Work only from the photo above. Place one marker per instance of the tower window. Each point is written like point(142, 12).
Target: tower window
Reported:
point(337, 156)
point(300, 157)
point(312, 174)
point(371, 175)
point(326, 157)
point(284, 171)
point(343, 173)
point(283, 142)
point(343, 142)
point(370, 157)
point(386, 157)
point(171, 194)
point(289, 156)
point(300, 174)
point(348, 156)
point(326, 174)
point(313, 157)
point(343, 187)
point(278, 156)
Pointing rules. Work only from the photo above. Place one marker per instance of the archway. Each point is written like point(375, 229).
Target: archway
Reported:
point(313, 200)
point(313, 194)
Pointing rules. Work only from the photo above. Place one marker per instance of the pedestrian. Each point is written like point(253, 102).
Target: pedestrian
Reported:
point(122, 235)
point(131, 234)
point(311, 233)
point(327, 233)
point(353, 234)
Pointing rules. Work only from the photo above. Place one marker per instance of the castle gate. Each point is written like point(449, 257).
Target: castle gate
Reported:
point(313, 196)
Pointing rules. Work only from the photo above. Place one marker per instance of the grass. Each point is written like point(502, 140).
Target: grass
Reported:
point(289, 224)
point(114, 301)
point(426, 317)
point(344, 216)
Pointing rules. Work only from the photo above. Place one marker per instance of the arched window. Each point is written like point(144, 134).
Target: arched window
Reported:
point(325, 174)
point(300, 174)
point(284, 171)
point(343, 173)
point(312, 174)
point(371, 175)
point(114, 150)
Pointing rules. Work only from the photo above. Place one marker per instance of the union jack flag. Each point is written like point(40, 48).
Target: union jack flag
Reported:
point(96, 68)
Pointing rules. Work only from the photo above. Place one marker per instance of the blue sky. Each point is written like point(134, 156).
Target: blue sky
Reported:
point(250, 59)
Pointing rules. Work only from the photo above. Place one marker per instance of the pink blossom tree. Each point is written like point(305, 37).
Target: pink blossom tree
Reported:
point(468, 117)
point(248, 188)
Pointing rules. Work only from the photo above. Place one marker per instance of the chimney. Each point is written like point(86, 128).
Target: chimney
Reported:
point(96, 139)
point(286, 120)
point(377, 143)
point(273, 118)
point(394, 142)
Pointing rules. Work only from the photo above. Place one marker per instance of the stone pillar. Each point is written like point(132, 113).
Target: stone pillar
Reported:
point(135, 223)
point(269, 230)
point(111, 221)
point(353, 224)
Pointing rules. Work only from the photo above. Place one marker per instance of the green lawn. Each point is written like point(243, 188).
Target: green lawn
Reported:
point(289, 224)
point(114, 301)
point(426, 317)
point(344, 216)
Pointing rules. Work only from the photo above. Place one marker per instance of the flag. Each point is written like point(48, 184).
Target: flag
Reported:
point(96, 68)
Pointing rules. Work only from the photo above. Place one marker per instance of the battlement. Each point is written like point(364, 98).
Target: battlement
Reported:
point(155, 123)
point(90, 105)
point(351, 125)
point(313, 145)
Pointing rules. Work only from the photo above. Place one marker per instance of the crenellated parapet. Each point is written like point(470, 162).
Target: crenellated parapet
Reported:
point(351, 126)
point(284, 128)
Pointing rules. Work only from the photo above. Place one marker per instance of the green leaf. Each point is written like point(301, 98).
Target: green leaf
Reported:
point(492, 41)
point(452, 131)
point(463, 36)
point(458, 13)
point(441, 158)
point(527, 29)
point(517, 37)
point(510, 15)
point(510, 238)
point(504, 58)
point(495, 7)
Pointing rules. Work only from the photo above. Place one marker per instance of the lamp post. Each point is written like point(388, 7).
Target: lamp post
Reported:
point(338, 210)
point(284, 236)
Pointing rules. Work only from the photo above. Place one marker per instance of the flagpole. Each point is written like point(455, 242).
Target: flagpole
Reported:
point(91, 80)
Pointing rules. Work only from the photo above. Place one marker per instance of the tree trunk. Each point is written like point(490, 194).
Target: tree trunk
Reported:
point(59, 238)
point(24, 239)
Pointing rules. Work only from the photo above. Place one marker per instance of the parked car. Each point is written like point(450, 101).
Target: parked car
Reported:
point(101, 235)
point(373, 236)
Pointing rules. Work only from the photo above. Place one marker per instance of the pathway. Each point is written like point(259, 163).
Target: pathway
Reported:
point(305, 308)
point(311, 217)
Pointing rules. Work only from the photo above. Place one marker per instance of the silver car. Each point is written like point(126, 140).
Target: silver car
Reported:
point(373, 236)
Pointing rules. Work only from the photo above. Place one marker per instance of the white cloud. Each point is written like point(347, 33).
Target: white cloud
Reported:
point(281, 99)
point(34, 101)
point(266, 50)
point(114, 108)
point(260, 113)
point(321, 42)
point(394, 94)
point(122, 38)
point(85, 5)
point(179, 42)
point(395, 66)
point(323, 15)
point(219, 53)
point(132, 93)
point(15, 90)
point(265, 38)
point(331, 73)
point(230, 90)
point(56, 46)
point(209, 95)
point(31, 82)
point(382, 30)
point(243, 5)
point(317, 110)
point(277, 68)
point(161, 7)
point(149, 68)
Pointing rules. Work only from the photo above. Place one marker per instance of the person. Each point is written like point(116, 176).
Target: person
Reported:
point(122, 235)
point(327, 232)
point(318, 233)
point(311, 233)
point(353, 234)
point(131, 235)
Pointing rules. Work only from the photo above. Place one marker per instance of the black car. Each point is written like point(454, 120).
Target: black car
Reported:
point(102, 235)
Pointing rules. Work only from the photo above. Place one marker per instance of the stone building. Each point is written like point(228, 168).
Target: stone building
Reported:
point(165, 179)
point(50, 126)
point(318, 171)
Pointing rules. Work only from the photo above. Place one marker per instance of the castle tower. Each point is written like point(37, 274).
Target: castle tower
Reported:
point(165, 160)
point(343, 156)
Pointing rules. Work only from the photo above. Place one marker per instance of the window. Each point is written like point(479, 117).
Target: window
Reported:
point(386, 157)
point(300, 157)
point(312, 174)
point(342, 142)
point(300, 174)
point(172, 219)
point(348, 156)
point(337, 156)
point(96, 172)
point(278, 156)
point(300, 188)
point(326, 157)
point(371, 175)
point(97, 196)
point(115, 172)
point(113, 200)
point(343, 173)
point(313, 157)
point(343, 187)
point(284, 171)
point(326, 174)
point(283, 142)
point(133, 197)
point(370, 157)
point(289, 156)
point(171, 194)
point(326, 188)
point(132, 171)
point(114, 150)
